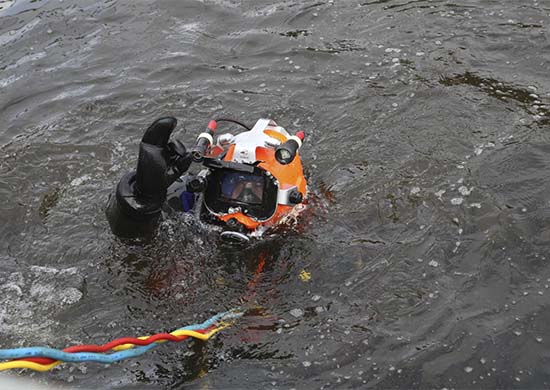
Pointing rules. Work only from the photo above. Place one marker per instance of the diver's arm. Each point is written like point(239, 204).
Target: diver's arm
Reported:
point(134, 210)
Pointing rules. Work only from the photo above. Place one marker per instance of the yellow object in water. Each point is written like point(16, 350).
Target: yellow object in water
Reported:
point(305, 276)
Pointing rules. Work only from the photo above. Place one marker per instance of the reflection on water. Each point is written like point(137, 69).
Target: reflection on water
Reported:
point(427, 155)
point(500, 90)
point(12, 7)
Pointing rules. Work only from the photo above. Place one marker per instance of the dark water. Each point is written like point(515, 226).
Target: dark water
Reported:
point(428, 156)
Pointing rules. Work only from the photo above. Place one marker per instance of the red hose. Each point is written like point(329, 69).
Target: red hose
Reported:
point(115, 343)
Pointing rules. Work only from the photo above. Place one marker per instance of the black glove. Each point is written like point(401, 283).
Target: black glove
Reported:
point(160, 162)
point(134, 211)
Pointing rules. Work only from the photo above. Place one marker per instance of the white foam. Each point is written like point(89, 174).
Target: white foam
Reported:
point(457, 201)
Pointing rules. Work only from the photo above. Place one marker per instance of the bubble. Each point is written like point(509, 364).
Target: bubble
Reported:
point(440, 193)
point(80, 180)
point(464, 191)
point(457, 201)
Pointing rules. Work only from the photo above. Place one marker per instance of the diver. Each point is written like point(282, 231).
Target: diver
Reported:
point(248, 183)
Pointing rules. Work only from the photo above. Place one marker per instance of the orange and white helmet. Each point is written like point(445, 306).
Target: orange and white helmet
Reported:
point(253, 179)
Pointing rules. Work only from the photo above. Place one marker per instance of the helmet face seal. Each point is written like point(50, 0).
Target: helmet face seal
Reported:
point(252, 193)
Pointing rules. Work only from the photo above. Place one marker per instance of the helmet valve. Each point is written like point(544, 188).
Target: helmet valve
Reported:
point(235, 225)
point(197, 184)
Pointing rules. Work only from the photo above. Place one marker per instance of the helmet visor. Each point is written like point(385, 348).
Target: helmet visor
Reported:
point(242, 187)
point(253, 193)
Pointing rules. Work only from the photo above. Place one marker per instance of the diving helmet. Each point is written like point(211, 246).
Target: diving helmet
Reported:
point(250, 180)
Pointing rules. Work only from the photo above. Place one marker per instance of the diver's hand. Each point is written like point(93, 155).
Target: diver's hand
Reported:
point(160, 162)
point(135, 210)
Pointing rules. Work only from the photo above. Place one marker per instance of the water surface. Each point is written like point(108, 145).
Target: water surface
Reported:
point(427, 153)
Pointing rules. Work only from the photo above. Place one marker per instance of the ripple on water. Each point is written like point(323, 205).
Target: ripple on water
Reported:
point(425, 250)
point(15, 7)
